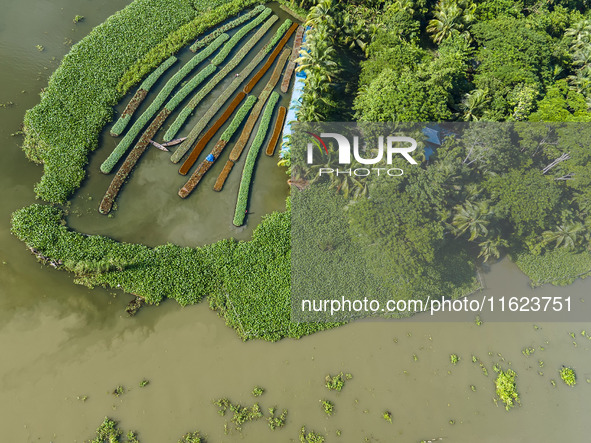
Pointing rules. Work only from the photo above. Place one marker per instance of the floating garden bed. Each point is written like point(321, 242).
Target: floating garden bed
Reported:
point(277, 131)
point(160, 99)
point(139, 96)
point(297, 45)
point(252, 119)
point(251, 157)
point(239, 35)
point(188, 110)
point(206, 164)
point(190, 161)
point(251, 84)
point(201, 43)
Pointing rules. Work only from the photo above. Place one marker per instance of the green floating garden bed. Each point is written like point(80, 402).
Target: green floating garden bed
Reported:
point(161, 98)
point(223, 73)
point(96, 74)
point(251, 159)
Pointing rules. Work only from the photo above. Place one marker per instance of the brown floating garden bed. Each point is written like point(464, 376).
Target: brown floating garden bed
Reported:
point(203, 167)
point(219, 183)
point(277, 131)
point(253, 117)
point(132, 158)
point(132, 106)
point(256, 112)
point(253, 81)
point(190, 161)
point(297, 44)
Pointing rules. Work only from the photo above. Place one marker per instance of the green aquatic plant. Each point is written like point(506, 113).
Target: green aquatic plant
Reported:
point(191, 437)
point(78, 18)
point(506, 388)
point(257, 391)
point(336, 382)
point(226, 27)
point(119, 390)
point(144, 383)
point(528, 351)
point(454, 359)
point(108, 432)
point(276, 422)
point(120, 125)
point(387, 415)
point(327, 407)
point(568, 376)
point(310, 437)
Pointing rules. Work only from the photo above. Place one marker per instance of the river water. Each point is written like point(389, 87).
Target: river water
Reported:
point(60, 342)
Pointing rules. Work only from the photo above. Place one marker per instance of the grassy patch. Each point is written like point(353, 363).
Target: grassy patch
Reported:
point(558, 267)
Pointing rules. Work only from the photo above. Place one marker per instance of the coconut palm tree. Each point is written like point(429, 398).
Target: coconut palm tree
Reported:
point(489, 248)
point(451, 17)
point(567, 235)
point(473, 104)
point(473, 218)
point(321, 13)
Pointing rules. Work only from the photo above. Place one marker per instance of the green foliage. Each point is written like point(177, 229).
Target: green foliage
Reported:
point(506, 388)
point(78, 100)
point(568, 376)
point(280, 32)
point(189, 87)
point(78, 18)
point(310, 437)
point(160, 99)
point(558, 267)
point(225, 28)
point(276, 422)
point(257, 391)
point(561, 104)
point(211, 84)
point(527, 198)
point(247, 282)
point(454, 359)
point(318, 59)
point(124, 119)
point(335, 382)
point(239, 118)
point(119, 390)
point(528, 351)
point(191, 437)
point(327, 407)
point(207, 14)
point(387, 415)
point(512, 55)
point(251, 158)
point(108, 432)
point(245, 414)
point(239, 35)
point(402, 97)
point(144, 383)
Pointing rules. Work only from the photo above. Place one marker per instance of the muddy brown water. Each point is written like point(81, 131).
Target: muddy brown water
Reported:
point(59, 341)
